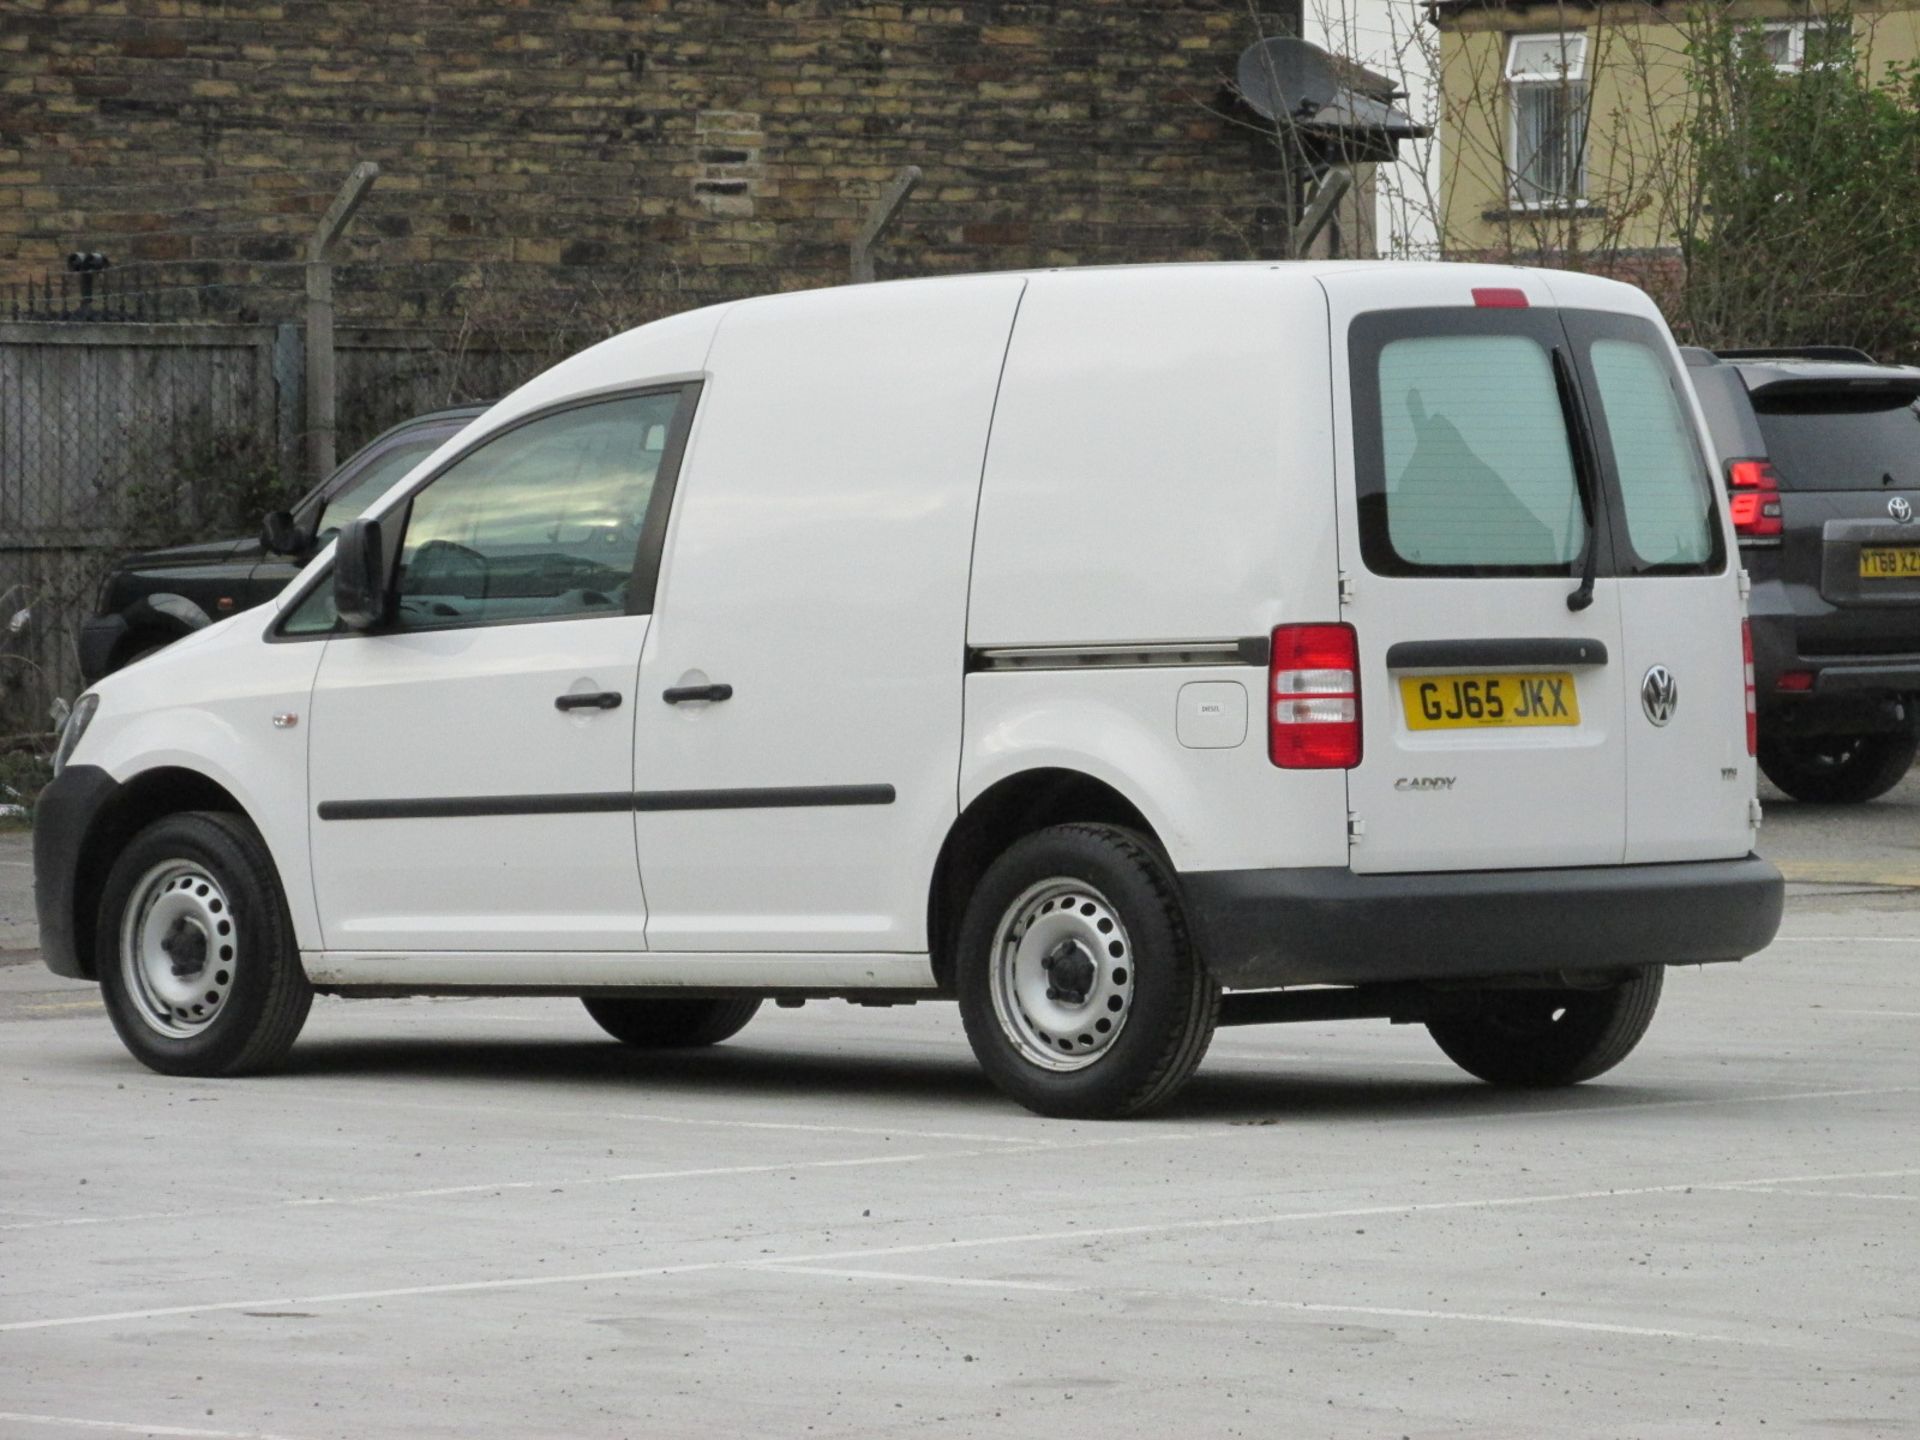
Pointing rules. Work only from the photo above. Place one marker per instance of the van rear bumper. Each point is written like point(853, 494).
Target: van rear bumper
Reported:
point(1259, 929)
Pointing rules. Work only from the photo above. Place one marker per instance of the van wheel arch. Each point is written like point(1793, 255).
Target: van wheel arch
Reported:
point(1001, 814)
point(144, 799)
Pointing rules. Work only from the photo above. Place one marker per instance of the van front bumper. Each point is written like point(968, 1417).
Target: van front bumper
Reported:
point(62, 818)
point(1259, 929)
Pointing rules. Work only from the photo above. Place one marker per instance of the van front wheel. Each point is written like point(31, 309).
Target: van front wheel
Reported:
point(1547, 1038)
point(672, 1024)
point(1080, 990)
point(196, 955)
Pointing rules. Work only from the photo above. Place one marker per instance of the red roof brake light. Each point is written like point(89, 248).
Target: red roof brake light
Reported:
point(1497, 297)
point(1753, 488)
point(1313, 698)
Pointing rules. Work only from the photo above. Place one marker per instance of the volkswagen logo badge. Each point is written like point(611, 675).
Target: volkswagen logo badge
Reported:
point(1659, 695)
point(1900, 509)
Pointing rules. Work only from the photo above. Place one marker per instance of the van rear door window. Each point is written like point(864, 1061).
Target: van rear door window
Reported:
point(1669, 517)
point(1660, 483)
point(1465, 462)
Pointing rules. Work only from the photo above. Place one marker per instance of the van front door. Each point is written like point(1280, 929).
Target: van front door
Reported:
point(1469, 496)
point(472, 762)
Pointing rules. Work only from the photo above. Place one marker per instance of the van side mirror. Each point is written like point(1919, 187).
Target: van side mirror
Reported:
point(281, 535)
point(360, 592)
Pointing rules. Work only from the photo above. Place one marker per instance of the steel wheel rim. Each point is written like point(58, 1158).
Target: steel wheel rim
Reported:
point(178, 947)
point(1061, 974)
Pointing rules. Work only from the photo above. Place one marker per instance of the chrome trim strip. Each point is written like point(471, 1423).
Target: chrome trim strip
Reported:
point(1253, 650)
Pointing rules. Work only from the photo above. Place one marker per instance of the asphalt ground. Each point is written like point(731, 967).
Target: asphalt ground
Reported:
point(479, 1218)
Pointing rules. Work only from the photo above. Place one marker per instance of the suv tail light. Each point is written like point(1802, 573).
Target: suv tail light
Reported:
point(1753, 711)
point(1754, 492)
point(1313, 698)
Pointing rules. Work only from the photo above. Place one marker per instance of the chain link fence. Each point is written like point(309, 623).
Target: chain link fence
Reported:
point(118, 437)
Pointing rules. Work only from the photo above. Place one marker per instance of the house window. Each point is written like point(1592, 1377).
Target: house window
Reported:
point(1807, 44)
point(1547, 78)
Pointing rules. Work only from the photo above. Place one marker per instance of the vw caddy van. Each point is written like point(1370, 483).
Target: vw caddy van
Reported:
point(1120, 653)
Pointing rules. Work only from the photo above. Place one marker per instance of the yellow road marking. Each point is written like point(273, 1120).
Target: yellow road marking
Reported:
point(1850, 872)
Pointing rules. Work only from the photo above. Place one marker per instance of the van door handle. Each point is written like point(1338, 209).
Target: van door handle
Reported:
point(597, 700)
point(686, 694)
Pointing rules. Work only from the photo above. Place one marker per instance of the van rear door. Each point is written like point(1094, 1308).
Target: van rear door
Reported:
point(1493, 714)
point(1689, 777)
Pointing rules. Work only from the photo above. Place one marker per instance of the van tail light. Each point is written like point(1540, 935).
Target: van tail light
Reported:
point(1498, 297)
point(1753, 709)
point(1313, 698)
point(1753, 488)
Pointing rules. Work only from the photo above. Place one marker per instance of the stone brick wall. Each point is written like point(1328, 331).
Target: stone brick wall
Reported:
point(568, 153)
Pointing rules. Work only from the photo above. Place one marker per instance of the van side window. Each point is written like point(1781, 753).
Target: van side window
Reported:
point(542, 523)
point(1670, 513)
point(370, 484)
point(314, 615)
point(1477, 466)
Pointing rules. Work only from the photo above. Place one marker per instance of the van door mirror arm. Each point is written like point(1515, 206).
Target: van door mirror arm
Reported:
point(1586, 473)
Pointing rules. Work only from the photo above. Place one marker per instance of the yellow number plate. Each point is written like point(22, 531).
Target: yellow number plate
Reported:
point(1890, 562)
point(1467, 702)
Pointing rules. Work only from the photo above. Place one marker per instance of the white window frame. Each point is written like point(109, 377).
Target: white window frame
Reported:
point(1573, 71)
point(1796, 33)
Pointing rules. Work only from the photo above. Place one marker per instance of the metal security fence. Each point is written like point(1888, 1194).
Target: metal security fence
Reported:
point(117, 437)
point(106, 433)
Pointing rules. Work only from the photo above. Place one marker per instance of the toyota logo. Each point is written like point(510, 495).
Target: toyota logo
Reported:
point(1659, 695)
point(1900, 509)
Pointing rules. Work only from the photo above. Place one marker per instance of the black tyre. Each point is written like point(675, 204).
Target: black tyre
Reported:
point(195, 951)
point(1080, 990)
point(1840, 769)
point(672, 1024)
point(1548, 1038)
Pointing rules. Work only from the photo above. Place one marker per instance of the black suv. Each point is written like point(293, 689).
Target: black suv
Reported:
point(1820, 450)
point(151, 600)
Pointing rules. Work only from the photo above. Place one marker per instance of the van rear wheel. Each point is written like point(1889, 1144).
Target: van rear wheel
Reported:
point(1547, 1038)
point(1840, 769)
point(195, 951)
point(672, 1024)
point(1080, 990)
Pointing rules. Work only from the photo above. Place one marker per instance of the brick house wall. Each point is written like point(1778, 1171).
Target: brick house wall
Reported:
point(554, 147)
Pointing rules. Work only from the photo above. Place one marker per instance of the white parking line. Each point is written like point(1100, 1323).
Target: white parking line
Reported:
point(124, 1427)
point(494, 1186)
point(1830, 1194)
point(646, 1118)
point(1013, 1147)
point(1890, 1014)
point(1171, 1227)
point(1540, 1322)
point(837, 1257)
point(1846, 940)
point(1305, 1307)
point(897, 1278)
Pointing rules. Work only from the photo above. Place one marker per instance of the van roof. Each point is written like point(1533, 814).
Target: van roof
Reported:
point(1450, 272)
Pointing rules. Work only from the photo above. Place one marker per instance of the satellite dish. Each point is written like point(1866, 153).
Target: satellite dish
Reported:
point(1287, 79)
point(1341, 111)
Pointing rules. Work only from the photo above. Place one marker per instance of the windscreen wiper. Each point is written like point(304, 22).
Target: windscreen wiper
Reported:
point(1583, 477)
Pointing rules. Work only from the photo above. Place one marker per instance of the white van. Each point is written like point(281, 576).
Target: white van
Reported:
point(1121, 653)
